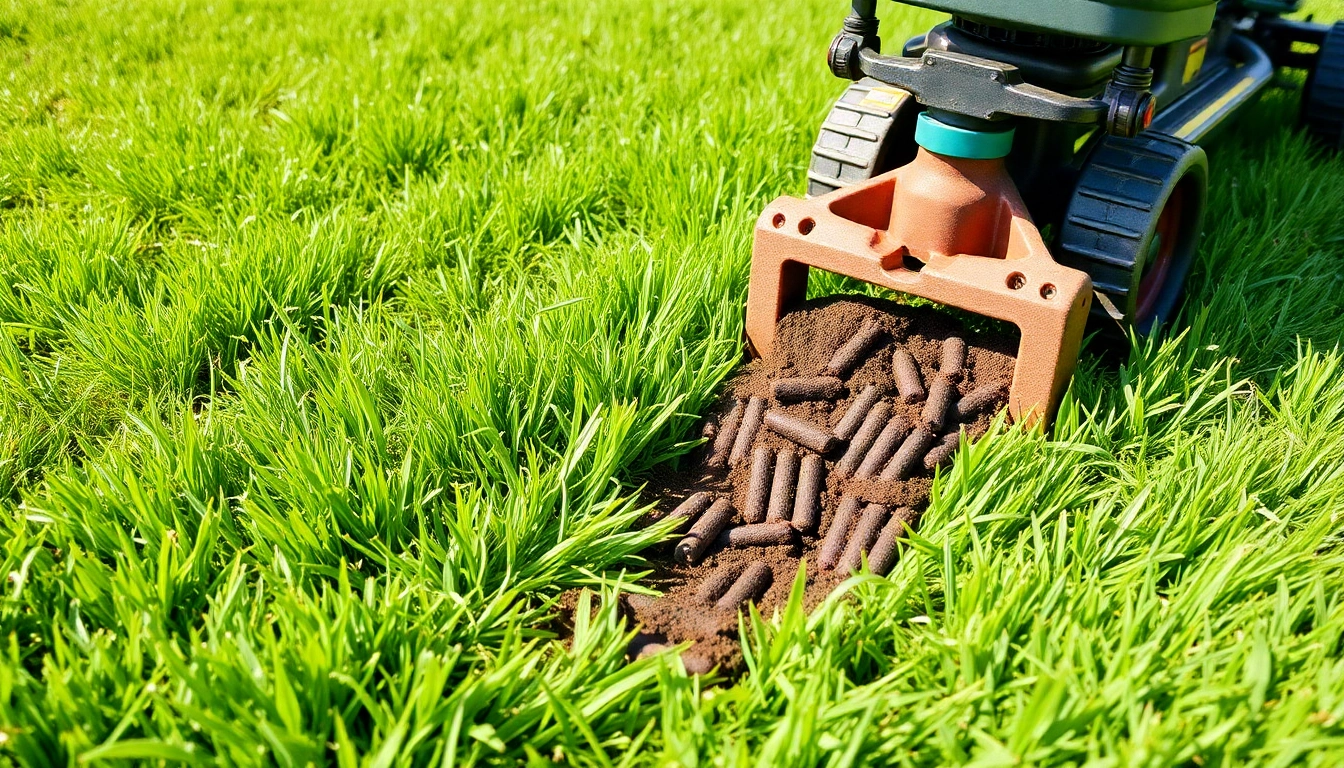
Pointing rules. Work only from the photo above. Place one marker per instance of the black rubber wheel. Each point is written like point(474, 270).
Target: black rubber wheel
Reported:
point(1133, 224)
point(1323, 97)
point(869, 131)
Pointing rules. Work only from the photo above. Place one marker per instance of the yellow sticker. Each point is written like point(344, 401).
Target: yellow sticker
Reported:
point(1081, 141)
point(1195, 59)
point(882, 97)
point(1211, 111)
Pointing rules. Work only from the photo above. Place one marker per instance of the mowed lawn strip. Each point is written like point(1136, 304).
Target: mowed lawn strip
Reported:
point(339, 337)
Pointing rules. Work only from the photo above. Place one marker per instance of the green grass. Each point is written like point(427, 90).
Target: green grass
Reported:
point(340, 335)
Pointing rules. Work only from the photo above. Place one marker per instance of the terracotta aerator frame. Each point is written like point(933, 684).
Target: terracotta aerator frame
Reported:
point(950, 230)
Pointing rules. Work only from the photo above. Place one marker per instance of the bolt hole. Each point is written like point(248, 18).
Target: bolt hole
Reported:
point(805, 226)
point(778, 221)
point(1017, 280)
point(1047, 291)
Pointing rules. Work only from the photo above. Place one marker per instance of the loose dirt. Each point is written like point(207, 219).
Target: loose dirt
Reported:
point(701, 602)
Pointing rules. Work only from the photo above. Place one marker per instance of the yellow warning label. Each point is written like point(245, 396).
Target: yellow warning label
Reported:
point(882, 97)
point(1211, 111)
point(1195, 59)
point(1081, 141)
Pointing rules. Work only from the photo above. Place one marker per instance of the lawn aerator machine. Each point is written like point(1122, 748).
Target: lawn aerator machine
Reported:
point(1038, 163)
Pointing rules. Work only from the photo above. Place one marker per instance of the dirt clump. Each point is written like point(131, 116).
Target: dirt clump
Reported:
point(848, 421)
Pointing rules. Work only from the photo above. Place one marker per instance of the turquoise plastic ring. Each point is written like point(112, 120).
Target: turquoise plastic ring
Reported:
point(949, 140)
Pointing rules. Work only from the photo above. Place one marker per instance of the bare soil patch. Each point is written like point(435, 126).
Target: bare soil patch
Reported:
point(835, 428)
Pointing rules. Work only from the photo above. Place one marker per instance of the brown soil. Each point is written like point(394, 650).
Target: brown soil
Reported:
point(807, 338)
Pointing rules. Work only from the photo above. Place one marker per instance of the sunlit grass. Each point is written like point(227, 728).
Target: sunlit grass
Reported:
point(338, 338)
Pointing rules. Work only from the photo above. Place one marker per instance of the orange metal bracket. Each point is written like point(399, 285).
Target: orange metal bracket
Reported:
point(950, 230)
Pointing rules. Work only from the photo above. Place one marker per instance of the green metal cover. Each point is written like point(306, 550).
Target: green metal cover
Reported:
point(1126, 22)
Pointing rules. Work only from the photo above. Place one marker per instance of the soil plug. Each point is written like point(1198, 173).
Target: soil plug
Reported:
point(751, 421)
point(884, 446)
point(781, 490)
point(758, 487)
point(942, 453)
point(883, 554)
point(940, 399)
point(807, 501)
point(954, 358)
point(851, 353)
point(636, 602)
point(723, 443)
point(906, 372)
point(696, 662)
point(908, 456)
point(810, 388)
point(706, 529)
point(863, 439)
point(854, 415)
point(718, 582)
point(753, 583)
point(691, 508)
point(757, 535)
point(839, 531)
point(870, 525)
point(801, 432)
point(978, 400)
point(651, 649)
point(645, 645)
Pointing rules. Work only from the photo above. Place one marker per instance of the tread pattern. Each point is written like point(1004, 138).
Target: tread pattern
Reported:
point(1323, 102)
point(1114, 211)
point(854, 142)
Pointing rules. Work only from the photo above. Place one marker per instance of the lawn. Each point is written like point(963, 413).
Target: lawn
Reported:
point(339, 337)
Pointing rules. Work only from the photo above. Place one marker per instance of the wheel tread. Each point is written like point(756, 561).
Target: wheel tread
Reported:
point(1101, 225)
point(852, 144)
point(864, 110)
point(1323, 101)
point(850, 131)
point(1101, 195)
point(1115, 206)
point(840, 157)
